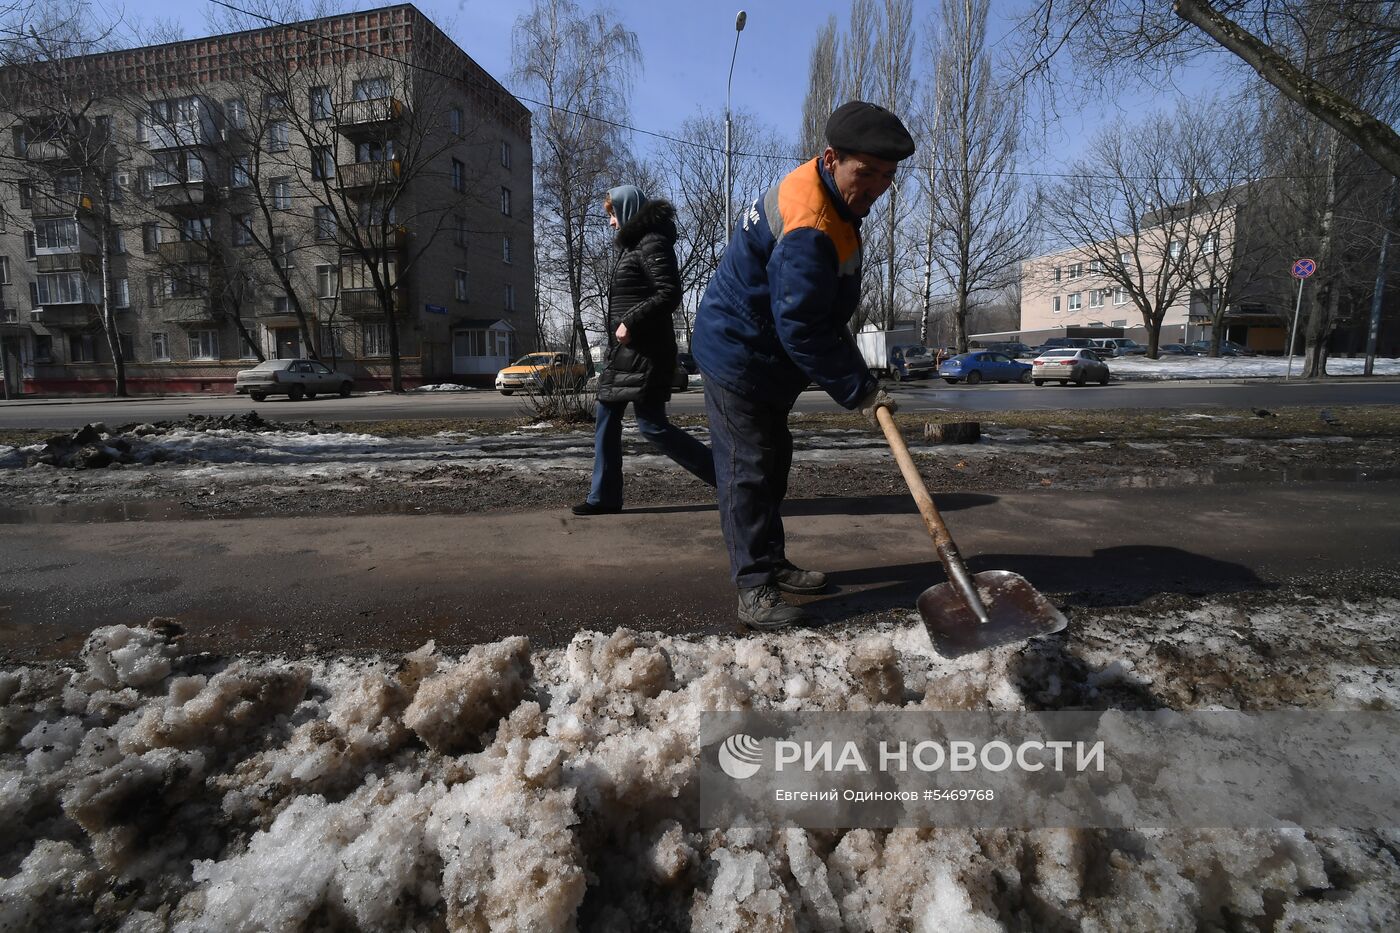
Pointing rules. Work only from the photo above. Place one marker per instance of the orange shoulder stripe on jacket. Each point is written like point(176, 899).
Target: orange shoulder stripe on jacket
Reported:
point(803, 202)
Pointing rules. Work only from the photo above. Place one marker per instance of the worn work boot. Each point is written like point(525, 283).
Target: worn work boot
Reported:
point(762, 608)
point(791, 579)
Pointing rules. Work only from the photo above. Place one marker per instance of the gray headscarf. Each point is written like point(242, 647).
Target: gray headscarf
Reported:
point(626, 201)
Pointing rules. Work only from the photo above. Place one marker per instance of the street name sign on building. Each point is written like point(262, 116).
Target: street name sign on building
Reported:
point(435, 309)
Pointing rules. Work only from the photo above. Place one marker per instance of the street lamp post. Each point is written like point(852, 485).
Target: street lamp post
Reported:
point(739, 22)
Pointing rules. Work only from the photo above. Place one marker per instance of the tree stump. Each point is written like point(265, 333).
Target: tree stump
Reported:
point(954, 432)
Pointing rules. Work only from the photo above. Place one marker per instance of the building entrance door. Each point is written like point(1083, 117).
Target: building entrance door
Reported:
point(11, 366)
point(288, 343)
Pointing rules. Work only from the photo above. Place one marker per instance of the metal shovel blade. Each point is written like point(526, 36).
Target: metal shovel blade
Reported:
point(1015, 611)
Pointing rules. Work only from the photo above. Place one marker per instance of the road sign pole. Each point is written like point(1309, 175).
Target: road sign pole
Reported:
point(1293, 331)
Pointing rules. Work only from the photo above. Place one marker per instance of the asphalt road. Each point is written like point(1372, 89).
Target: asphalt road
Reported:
point(391, 582)
point(931, 396)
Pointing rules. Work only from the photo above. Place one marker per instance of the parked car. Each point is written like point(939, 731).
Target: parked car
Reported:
point(978, 365)
point(1013, 349)
point(1060, 343)
point(911, 361)
point(542, 372)
point(1118, 346)
point(1227, 348)
point(1178, 349)
point(685, 368)
point(296, 379)
point(1068, 365)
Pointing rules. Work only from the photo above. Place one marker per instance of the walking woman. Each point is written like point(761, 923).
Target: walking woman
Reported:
point(644, 293)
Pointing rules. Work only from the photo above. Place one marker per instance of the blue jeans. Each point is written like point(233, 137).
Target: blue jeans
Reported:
point(753, 455)
point(651, 422)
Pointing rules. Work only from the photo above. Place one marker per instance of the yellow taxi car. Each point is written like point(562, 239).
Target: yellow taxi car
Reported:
point(542, 372)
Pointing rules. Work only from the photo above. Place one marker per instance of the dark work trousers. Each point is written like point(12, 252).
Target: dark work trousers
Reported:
point(753, 454)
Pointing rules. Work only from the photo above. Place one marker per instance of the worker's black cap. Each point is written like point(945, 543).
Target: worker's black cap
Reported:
point(858, 126)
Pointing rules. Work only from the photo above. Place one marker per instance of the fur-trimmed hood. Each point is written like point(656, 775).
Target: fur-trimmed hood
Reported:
point(655, 216)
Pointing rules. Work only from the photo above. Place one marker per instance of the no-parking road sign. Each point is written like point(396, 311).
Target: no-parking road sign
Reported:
point(1302, 268)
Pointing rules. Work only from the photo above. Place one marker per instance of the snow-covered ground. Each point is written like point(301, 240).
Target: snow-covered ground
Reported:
point(551, 790)
point(1236, 367)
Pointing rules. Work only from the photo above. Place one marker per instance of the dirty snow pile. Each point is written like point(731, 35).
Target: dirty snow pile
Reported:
point(514, 789)
point(1236, 367)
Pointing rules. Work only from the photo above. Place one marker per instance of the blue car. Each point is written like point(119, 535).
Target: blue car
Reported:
point(982, 365)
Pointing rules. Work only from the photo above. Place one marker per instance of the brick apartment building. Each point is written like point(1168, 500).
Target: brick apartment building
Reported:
point(331, 187)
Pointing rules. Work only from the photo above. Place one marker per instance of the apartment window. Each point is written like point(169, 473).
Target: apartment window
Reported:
point(34, 295)
point(58, 234)
point(510, 297)
point(282, 304)
point(1058, 272)
point(116, 241)
point(459, 176)
point(505, 201)
point(4, 270)
point(121, 293)
point(375, 339)
point(128, 346)
point(1119, 323)
point(239, 175)
point(29, 245)
point(1074, 302)
point(21, 141)
point(1096, 298)
point(236, 113)
point(331, 340)
point(370, 88)
point(160, 346)
point(1210, 244)
point(355, 275)
point(1075, 270)
point(155, 290)
point(454, 120)
point(1120, 296)
point(43, 348)
point(114, 187)
point(279, 137)
point(25, 193)
point(374, 151)
point(67, 183)
point(242, 229)
point(82, 348)
point(505, 154)
point(196, 228)
point(274, 102)
point(324, 220)
point(1095, 265)
point(326, 281)
point(1175, 248)
point(459, 277)
point(143, 181)
point(1125, 259)
point(1055, 305)
point(322, 162)
point(204, 345)
point(282, 194)
point(505, 249)
point(282, 252)
point(459, 231)
point(190, 281)
point(246, 350)
point(320, 99)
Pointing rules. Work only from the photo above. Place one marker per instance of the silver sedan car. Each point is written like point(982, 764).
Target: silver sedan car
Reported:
point(1069, 365)
point(295, 379)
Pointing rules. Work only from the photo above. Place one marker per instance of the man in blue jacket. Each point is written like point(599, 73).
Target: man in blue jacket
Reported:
point(775, 318)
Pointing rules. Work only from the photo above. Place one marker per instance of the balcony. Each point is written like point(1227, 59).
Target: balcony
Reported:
point(185, 251)
point(365, 117)
point(190, 309)
point(359, 175)
point(68, 262)
point(194, 196)
point(359, 303)
point(375, 237)
point(73, 316)
point(42, 204)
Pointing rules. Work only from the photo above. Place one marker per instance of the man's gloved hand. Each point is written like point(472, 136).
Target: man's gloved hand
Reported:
point(878, 398)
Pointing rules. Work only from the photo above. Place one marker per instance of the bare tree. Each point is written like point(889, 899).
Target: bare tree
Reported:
point(580, 64)
point(1115, 38)
point(892, 85)
point(980, 223)
point(1141, 212)
point(821, 96)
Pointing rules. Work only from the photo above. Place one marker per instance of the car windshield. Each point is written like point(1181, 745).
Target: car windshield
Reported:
point(266, 365)
point(534, 359)
point(915, 352)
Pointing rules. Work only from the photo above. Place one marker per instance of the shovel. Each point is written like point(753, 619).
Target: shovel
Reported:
point(971, 612)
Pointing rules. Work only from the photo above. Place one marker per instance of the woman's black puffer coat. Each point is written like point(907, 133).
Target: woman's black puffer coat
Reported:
point(645, 292)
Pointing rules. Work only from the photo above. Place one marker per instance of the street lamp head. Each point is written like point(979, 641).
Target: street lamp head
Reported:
point(740, 20)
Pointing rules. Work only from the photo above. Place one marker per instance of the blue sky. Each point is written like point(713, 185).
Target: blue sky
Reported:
point(686, 49)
